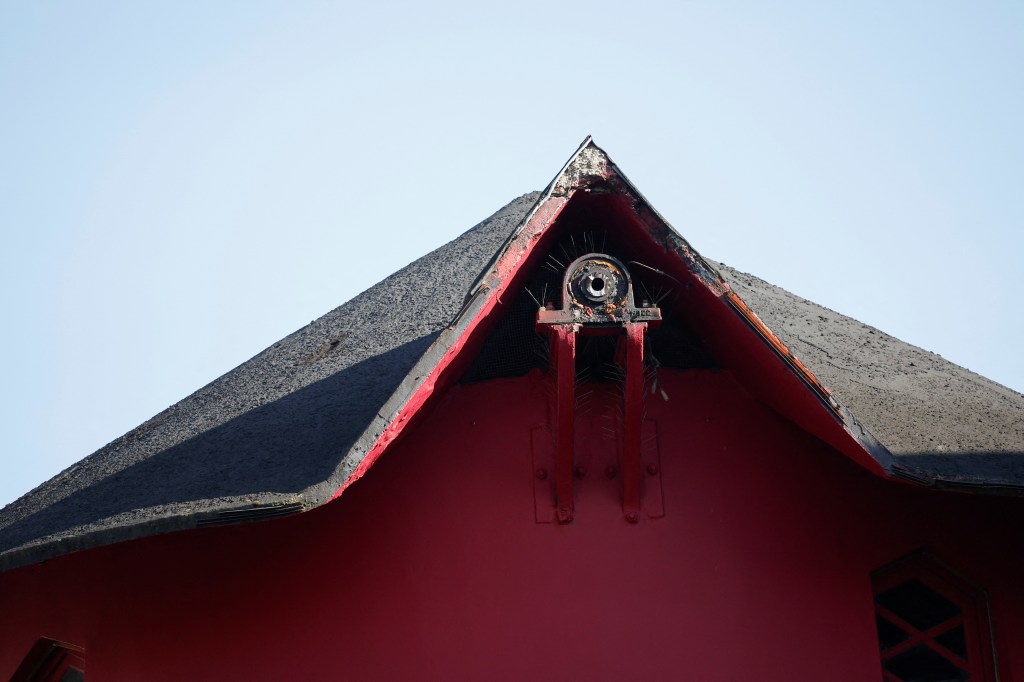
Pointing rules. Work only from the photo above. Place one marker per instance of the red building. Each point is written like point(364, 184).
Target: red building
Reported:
point(562, 446)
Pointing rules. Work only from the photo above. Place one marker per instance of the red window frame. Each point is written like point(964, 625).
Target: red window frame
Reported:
point(949, 584)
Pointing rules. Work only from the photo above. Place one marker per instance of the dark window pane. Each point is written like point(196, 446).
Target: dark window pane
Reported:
point(921, 664)
point(918, 604)
point(888, 634)
point(954, 641)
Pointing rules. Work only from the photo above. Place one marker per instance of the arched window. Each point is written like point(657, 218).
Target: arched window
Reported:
point(933, 624)
point(51, 661)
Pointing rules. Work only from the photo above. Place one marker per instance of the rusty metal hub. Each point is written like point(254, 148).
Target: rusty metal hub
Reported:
point(597, 291)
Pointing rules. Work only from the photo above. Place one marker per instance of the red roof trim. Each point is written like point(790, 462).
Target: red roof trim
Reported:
point(485, 297)
point(589, 165)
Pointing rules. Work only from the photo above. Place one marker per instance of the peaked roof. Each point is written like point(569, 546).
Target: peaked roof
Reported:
point(291, 428)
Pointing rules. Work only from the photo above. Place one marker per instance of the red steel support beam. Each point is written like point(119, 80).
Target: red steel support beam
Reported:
point(633, 421)
point(564, 352)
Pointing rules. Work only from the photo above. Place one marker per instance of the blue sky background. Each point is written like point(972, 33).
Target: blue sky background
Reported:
point(184, 183)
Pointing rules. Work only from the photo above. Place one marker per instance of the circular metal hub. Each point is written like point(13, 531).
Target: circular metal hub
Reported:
point(597, 281)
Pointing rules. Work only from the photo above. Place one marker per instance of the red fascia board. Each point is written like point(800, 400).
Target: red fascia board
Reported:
point(749, 346)
point(742, 340)
point(440, 363)
point(772, 372)
point(778, 378)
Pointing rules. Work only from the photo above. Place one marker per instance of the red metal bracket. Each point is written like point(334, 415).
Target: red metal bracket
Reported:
point(564, 355)
point(597, 298)
point(632, 421)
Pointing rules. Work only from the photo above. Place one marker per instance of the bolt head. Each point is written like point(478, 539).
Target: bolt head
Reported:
point(652, 469)
point(542, 474)
point(610, 471)
point(580, 472)
point(632, 517)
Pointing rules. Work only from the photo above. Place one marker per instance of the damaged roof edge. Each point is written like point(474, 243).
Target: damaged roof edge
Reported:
point(410, 395)
point(707, 273)
point(413, 392)
point(984, 459)
point(544, 196)
point(419, 384)
point(878, 452)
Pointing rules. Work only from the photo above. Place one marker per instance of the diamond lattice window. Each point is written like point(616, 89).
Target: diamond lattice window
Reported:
point(933, 624)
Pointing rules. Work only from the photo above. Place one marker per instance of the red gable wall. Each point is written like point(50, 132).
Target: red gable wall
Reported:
point(433, 567)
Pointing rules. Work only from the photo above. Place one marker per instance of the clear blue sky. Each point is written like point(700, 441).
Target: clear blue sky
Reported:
point(184, 183)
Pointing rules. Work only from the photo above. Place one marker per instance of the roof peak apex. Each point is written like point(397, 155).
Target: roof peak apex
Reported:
point(588, 162)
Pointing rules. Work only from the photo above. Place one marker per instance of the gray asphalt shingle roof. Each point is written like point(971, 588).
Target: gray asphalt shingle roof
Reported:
point(940, 420)
point(285, 429)
point(274, 432)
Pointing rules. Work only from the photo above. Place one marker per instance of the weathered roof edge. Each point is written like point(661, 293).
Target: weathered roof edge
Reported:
point(714, 280)
point(416, 388)
point(981, 457)
point(709, 274)
point(418, 385)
